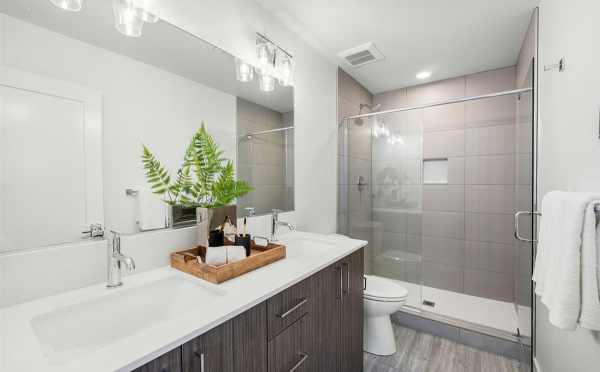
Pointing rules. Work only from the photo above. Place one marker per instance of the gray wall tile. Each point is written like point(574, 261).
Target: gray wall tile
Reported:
point(431, 327)
point(444, 250)
point(491, 112)
point(490, 198)
point(443, 144)
point(490, 140)
point(444, 224)
point(443, 276)
point(456, 171)
point(443, 118)
point(496, 228)
point(490, 81)
point(487, 256)
point(489, 284)
point(445, 198)
point(436, 91)
point(490, 170)
point(491, 344)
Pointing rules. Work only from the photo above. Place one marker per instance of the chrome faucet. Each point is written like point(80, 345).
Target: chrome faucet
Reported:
point(275, 223)
point(115, 262)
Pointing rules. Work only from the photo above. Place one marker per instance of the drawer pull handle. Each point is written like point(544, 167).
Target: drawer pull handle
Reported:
point(339, 268)
point(300, 362)
point(296, 307)
point(347, 265)
point(201, 356)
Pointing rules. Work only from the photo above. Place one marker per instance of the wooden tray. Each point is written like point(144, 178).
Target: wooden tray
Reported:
point(187, 261)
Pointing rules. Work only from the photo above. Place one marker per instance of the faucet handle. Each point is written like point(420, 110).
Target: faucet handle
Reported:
point(95, 231)
point(276, 211)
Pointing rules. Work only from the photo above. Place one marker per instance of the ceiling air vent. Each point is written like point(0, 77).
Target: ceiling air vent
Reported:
point(361, 55)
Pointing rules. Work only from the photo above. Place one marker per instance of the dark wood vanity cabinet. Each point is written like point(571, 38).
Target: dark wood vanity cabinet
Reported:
point(169, 362)
point(315, 325)
point(211, 351)
point(338, 315)
point(351, 344)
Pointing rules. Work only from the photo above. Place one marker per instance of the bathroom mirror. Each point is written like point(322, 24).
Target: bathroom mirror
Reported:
point(77, 101)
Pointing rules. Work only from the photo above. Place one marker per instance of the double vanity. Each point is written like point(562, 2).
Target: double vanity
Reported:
point(303, 313)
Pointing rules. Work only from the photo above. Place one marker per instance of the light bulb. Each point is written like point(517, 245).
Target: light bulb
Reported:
point(266, 83)
point(128, 20)
point(244, 71)
point(264, 56)
point(69, 5)
point(285, 69)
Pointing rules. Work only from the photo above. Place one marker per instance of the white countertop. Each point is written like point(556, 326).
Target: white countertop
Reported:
point(21, 350)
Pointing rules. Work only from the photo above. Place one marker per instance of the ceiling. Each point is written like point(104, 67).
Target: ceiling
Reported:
point(448, 38)
point(162, 45)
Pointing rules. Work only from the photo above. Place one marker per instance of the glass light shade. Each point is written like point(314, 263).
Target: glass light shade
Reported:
point(147, 12)
point(285, 69)
point(70, 5)
point(128, 19)
point(266, 83)
point(244, 72)
point(264, 55)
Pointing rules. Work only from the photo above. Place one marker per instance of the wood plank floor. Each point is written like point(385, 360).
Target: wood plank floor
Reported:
point(421, 352)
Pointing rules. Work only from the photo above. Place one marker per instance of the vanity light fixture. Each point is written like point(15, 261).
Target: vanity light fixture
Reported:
point(69, 5)
point(273, 64)
point(424, 75)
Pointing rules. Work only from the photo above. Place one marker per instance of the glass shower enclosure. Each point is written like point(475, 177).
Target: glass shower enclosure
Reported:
point(438, 218)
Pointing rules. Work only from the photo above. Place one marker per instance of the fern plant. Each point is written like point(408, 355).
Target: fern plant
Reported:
point(205, 179)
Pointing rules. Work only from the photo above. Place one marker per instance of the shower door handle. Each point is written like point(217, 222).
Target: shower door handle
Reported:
point(517, 234)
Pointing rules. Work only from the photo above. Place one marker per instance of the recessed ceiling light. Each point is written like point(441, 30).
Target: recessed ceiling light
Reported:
point(424, 75)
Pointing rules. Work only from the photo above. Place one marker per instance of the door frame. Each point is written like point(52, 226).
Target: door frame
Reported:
point(91, 100)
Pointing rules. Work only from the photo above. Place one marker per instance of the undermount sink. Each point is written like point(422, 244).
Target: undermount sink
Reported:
point(306, 247)
point(72, 331)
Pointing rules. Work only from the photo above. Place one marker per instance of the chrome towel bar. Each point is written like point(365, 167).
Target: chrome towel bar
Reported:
point(529, 213)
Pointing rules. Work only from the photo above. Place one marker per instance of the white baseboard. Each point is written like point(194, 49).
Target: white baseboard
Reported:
point(536, 366)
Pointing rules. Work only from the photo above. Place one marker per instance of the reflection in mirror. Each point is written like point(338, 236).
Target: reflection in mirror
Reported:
point(265, 157)
point(77, 101)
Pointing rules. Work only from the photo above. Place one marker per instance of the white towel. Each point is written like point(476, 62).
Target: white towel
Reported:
point(565, 270)
point(152, 211)
point(235, 253)
point(216, 256)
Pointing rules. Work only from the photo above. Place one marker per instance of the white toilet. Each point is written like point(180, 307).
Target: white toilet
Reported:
point(382, 297)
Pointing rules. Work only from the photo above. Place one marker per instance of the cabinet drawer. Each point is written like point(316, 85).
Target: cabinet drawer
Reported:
point(288, 306)
point(290, 350)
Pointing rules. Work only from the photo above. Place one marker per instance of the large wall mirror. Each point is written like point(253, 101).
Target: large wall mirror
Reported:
point(78, 100)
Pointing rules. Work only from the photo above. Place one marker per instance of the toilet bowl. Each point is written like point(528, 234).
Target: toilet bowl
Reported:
point(382, 297)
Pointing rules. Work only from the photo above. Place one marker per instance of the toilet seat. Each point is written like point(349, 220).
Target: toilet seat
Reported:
point(383, 290)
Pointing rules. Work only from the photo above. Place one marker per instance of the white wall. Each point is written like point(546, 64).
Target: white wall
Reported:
point(569, 148)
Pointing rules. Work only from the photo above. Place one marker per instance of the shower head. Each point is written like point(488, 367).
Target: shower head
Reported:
point(373, 107)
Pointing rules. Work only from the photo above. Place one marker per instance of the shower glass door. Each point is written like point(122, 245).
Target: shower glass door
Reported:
point(525, 201)
point(384, 195)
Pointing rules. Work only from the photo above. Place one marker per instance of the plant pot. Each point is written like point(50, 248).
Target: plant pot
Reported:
point(181, 216)
point(209, 219)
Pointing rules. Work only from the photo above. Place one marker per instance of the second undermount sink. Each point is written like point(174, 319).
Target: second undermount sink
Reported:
point(303, 247)
point(73, 331)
